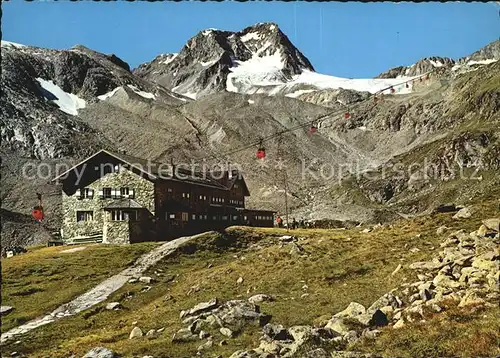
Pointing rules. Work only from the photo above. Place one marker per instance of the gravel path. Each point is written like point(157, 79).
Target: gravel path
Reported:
point(102, 291)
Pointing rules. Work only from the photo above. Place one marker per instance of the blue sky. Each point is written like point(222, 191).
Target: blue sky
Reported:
point(343, 39)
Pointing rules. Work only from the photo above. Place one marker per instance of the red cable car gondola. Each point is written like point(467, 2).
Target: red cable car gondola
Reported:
point(37, 213)
point(427, 77)
point(261, 152)
point(393, 90)
point(347, 115)
point(38, 210)
point(313, 129)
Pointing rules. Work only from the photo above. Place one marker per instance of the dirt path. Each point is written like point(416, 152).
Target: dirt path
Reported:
point(102, 291)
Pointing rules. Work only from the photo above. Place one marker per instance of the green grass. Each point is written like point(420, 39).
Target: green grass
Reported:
point(39, 281)
point(340, 266)
point(465, 332)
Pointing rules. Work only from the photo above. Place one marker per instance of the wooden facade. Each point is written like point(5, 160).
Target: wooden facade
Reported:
point(134, 200)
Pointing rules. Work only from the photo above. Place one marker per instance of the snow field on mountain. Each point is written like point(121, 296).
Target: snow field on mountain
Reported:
point(67, 102)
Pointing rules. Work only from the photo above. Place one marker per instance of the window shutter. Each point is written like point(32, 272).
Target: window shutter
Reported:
point(78, 193)
point(113, 193)
point(101, 193)
point(91, 193)
point(131, 193)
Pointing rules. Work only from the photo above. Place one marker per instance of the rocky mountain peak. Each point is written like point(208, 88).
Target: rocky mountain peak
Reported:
point(203, 64)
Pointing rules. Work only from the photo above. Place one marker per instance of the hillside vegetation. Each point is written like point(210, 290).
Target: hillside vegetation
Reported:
point(310, 279)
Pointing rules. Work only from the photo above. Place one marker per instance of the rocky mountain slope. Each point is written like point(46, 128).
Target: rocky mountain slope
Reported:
point(57, 106)
point(488, 54)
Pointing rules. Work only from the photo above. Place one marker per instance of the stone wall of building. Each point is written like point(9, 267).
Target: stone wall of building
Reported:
point(115, 232)
point(143, 194)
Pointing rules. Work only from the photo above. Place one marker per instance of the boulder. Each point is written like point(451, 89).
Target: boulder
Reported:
point(146, 279)
point(100, 352)
point(492, 224)
point(399, 324)
point(276, 332)
point(389, 299)
point(351, 337)
point(135, 333)
point(338, 325)
point(445, 281)
point(353, 310)
point(301, 334)
point(184, 335)
point(260, 298)
point(463, 213)
point(226, 332)
point(484, 264)
point(203, 306)
point(373, 318)
point(4, 310)
point(113, 306)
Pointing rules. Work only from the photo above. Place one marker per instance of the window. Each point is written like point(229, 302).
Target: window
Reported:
point(170, 216)
point(193, 216)
point(84, 215)
point(245, 217)
point(123, 215)
point(85, 193)
point(186, 195)
point(185, 217)
point(235, 217)
point(224, 217)
point(205, 217)
point(105, 193)
point(169, 190)
point(127, 193)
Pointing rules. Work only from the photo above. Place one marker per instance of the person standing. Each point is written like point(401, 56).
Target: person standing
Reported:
point(279, 221)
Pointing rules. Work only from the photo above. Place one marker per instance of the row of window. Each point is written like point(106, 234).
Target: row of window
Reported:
point(236, 202)
point(116, 215)
point(131, 215)
point(186, 217)
point(218, 200)
point(106, 193)
point(263, 217)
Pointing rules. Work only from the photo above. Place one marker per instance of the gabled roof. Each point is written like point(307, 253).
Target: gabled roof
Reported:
point(160, 171)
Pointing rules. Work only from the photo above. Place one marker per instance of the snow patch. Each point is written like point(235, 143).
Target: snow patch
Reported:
point(481, 62)
point(147, 95)
point(67, 102)
point(208, 32)
point(105, 96)
point(263, 71)
point(11, 44)
point(272, 27)
point(251, 101)
point(436, 63)
point(250, 36)
point(208, 63)
point(191, 95)
point(170, 58)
